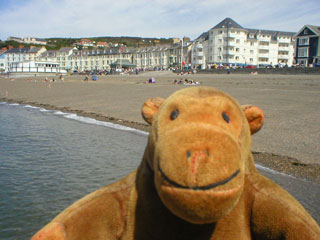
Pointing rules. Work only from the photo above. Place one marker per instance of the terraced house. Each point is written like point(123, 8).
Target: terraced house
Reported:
point(308, 45)
point(61, 57)
point(158, 57)
point(230, 43)
point(99, 59)
point(22, 54)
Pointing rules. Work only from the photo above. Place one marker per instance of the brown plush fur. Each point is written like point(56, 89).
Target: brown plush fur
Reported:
point(197, 180)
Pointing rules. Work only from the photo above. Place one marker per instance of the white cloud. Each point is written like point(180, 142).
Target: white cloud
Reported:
point(158, 18)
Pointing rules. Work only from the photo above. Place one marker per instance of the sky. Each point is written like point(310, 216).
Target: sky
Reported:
point(149, 18)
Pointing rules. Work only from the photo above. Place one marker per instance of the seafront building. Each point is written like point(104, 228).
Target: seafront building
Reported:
point(61, 56)
point(155, 57)
point(35, 67)
point(308, 45)
point(2, 62)
point(98, 59)
point(229, 43)
point(22, 54)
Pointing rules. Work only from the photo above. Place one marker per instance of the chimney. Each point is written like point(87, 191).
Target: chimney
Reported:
point(20, 46)
point(10, 46)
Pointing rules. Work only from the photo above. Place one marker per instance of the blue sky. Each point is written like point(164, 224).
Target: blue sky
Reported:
point(149, 18)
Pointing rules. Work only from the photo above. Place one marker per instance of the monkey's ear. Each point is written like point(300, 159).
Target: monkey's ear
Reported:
point(150, 108)
point(255, 117)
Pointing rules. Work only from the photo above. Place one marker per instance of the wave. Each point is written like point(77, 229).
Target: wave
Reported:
point(76, 117)
point(102, 123)
point(269, 170)
point(29, 106)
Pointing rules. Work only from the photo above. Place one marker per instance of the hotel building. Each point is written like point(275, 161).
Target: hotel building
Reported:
point(230, 43)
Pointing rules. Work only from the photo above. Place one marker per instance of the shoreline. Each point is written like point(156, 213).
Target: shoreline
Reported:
point(283, 164)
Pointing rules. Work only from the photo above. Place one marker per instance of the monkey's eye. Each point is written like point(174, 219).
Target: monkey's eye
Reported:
point(174, 114)
point(225, 117)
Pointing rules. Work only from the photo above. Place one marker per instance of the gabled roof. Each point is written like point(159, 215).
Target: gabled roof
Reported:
point(315, 29)
point(65, 49)
point(18, 50)
point(228, 23)
point(34, 50)
point(51, 53)
point(204, 36)
point(274, 34)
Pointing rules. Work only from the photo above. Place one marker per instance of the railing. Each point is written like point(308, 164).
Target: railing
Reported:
point(35, 70)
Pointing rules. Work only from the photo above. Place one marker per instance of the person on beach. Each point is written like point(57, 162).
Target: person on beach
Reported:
point(86, 79)
point(61, 78)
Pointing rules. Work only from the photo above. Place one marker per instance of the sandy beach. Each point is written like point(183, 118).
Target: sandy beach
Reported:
point(289, 141)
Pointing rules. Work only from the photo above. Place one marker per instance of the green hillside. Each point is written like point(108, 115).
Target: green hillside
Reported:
point(57, 43)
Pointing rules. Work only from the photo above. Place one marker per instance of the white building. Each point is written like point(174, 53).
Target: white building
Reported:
point(33, 40)
point(35, 67)
point(22, 54)
point(98, 59)
point(61, 56)
point(28, 40)
point(151, 57)
point(2, 62)
point(229, 43)
point(199, 51)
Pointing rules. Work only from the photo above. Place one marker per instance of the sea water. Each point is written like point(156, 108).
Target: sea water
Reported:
point(49, 159)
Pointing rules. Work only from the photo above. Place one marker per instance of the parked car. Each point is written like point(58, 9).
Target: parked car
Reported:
point(265, 66)
point(250, 66)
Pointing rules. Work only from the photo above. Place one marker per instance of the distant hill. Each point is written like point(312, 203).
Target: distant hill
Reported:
point(57, 43)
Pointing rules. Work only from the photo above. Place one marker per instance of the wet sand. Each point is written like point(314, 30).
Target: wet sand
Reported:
point(289, 141)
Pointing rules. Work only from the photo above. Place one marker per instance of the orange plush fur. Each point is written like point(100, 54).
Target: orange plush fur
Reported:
point(197, 180)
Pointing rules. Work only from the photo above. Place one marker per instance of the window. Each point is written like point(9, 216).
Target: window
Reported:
point(238, 41)
point(283, 44)
point(283, 53)
point(263, 59)
point(305, 31)
point(303, 41)
point(262, 43)
point(302, 61)
point(251, 52)
point(263, 51)
point(303, 52)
